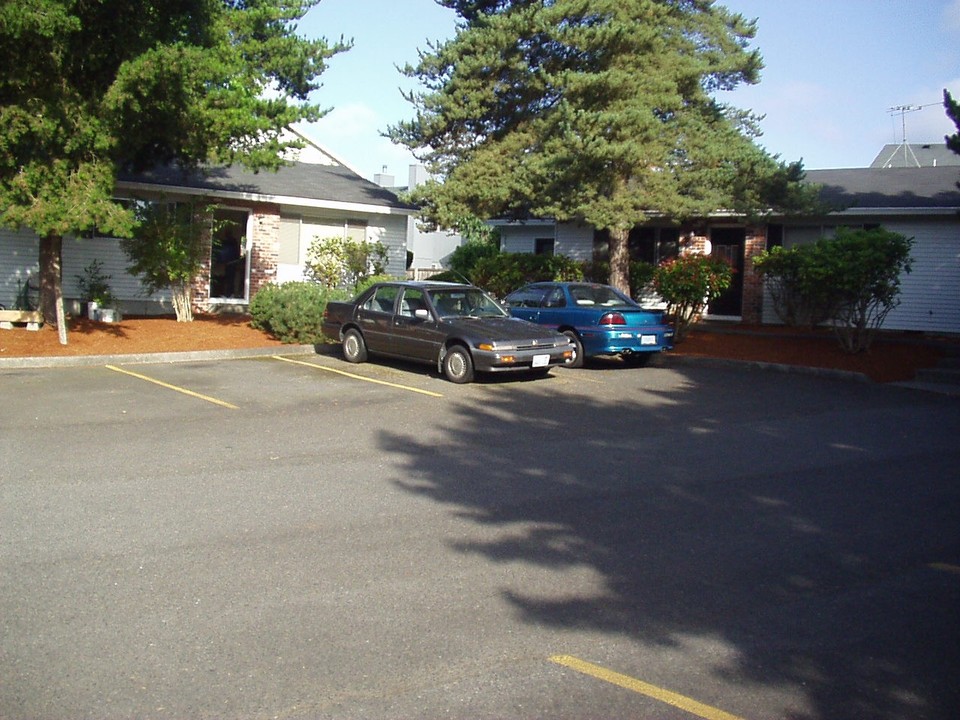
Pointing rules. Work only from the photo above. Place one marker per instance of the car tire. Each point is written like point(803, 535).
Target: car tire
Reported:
point(354, 347)
point(578, 358)
point(458, 365)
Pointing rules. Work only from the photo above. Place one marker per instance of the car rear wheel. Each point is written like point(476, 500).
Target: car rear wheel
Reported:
point(458, 365)
point(354, 347)
point(577, 360)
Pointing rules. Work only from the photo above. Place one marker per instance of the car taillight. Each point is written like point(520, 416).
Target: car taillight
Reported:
point(613, 319)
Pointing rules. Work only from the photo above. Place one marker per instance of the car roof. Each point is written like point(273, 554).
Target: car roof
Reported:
point(424, 285)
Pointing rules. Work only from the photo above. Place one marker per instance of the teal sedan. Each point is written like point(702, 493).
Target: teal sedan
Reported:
point(599, 319)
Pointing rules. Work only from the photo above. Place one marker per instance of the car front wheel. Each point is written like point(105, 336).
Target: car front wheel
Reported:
point(458, 365)
point(354, 347)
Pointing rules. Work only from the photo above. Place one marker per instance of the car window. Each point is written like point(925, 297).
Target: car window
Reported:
point(527, 297)
point(412, 301)
point(555, 299)
point(465, 302)
point(383, 299)
point(602, 295)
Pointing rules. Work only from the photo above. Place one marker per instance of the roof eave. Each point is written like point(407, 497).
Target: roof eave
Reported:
point(286, 200)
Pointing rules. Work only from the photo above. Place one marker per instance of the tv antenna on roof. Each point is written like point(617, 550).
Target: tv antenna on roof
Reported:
point(907, 150)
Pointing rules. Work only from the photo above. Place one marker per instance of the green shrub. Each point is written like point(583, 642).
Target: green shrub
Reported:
point(361, 286)
point(291, 312)
point(851, 280)
point(503, 273)
point(464, 259)
point(641, 275)
point(344, 262)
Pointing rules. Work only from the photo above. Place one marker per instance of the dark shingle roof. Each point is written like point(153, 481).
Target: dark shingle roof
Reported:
point(311, 182)
point(915, 155)
point(913, 188)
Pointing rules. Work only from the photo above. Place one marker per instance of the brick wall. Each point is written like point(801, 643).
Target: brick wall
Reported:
point(756, 243)
point(265, 248)
point(696, 241)
point(264, 251)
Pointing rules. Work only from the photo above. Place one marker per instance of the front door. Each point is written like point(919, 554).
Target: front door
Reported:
point(728, 243)
point(229, 260)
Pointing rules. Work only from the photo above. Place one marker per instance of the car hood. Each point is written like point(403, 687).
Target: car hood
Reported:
point(502, 328)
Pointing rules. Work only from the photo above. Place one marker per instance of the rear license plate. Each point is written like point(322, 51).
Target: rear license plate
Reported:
point(648, 339)
point(541, 360)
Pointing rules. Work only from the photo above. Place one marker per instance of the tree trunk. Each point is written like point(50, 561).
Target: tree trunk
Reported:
point(181, 295)
point(51, 284)
point(620, 259)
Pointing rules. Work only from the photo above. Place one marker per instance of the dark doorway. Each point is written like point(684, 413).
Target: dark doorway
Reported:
point(728, 244)
point(228, 261)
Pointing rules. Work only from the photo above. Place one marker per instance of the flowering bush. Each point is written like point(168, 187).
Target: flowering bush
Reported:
point(688, 284)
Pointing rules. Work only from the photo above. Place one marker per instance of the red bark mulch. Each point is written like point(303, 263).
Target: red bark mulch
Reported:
point(894, 356)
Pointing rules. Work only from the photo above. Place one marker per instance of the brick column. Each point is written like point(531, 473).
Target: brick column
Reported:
point(756, 243)
point(265, 247)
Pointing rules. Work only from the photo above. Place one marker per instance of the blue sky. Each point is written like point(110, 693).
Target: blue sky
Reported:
point(833, 70)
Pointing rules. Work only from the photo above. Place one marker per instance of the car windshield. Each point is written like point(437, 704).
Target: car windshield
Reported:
point(602, 295)
point(465, 302)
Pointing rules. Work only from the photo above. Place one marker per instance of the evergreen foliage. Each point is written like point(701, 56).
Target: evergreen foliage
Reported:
point(602, 111)
point(104, 87)
point(953, 112)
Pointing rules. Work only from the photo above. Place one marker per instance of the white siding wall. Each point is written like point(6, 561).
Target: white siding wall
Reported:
point(575, 241)
point(19, 256)
point(522, 238)
point(431, 249)
point(126, 288)
point(390, 230)
point(930, 294)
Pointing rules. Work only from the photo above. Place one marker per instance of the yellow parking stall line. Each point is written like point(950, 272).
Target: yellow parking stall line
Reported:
point(945, 567)
point(173, 387)
point(359, 377)
point(638, 686)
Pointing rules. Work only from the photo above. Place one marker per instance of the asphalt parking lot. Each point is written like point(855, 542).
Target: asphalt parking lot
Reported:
point(296, 537)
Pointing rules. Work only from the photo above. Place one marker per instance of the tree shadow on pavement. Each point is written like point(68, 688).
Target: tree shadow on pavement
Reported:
point(795, 520)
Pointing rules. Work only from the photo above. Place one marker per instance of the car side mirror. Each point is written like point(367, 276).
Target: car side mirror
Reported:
point(421, 314)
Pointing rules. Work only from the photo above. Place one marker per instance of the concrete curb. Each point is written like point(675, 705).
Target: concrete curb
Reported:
point(152, 358)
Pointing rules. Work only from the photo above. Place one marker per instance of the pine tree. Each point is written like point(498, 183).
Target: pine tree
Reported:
point(603, 111)
point(953, 112)
point(99, 87)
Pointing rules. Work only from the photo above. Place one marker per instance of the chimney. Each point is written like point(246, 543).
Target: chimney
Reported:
point(384, 180)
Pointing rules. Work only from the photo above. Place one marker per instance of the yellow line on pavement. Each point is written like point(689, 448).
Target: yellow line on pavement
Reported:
point(359, 377)
point(638, 686)
point(946, 567)
point(173, 387)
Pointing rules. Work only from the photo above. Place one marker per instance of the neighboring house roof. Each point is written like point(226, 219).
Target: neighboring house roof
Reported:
point(915, 155)
point(911, 190)
point(299, 184)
